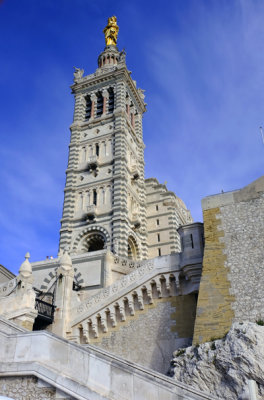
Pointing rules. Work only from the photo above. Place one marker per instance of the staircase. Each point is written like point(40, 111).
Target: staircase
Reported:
point(81, 373)
point(156, 279)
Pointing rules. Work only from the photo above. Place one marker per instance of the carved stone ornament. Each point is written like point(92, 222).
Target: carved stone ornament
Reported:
point(78, 73)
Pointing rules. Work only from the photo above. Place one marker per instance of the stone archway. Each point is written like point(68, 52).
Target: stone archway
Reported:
point(93, 241)
point(92, 237)
point(132, 248)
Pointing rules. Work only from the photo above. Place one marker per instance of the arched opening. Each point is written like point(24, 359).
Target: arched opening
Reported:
point(100, 101)
point(132, 248)
point(111, 100)
point(94, 241)
point(88, 107)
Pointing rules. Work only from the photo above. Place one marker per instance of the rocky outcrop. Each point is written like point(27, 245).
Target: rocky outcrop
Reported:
point(224, 366)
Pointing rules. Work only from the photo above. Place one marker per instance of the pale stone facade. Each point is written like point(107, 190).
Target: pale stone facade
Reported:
point(105, 194)
point(127, 275)
point(128, 272)
point(5, 274)
point(104, 205)
point(110, 280)
point(165, 214)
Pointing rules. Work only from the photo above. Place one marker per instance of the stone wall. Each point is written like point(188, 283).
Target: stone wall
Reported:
point(165, 213)
point(5, 274)
point(82, 373)
point(232, 280)
point(160, 328)
point(28, 387)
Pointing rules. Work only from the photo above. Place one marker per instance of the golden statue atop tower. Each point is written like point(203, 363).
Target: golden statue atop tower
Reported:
point(111, 32)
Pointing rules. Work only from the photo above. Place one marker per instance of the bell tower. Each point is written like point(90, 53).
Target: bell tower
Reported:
point(105, 196)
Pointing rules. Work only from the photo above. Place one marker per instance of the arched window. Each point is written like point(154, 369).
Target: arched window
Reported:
point(111, 100)
point(100, 102)
point(88, 106)
point(94, 241)
point(132, 248)
point(94, 197)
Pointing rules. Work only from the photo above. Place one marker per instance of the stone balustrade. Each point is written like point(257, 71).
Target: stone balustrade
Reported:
point(111, 305)
point(83, 372)
point(7, 287)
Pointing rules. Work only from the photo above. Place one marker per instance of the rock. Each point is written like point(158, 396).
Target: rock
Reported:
point(223, 367)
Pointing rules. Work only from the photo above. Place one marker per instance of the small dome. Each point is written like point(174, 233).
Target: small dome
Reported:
point(25, 268)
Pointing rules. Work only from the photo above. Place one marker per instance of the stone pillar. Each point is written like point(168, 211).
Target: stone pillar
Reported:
point(103, 194)
point(65, 275)
point(78, 202)
point(132, 116)
point(108, 196)
point(101, 149)
point(89, 200)
point(90, 151)
point(100, 196)
point(86, 200)
point(82, 201)
point(23, 302)
point(128, 106)
point(93, 105)
point(104, 149)
point(108, 266)
point(105, 94)
point(109, 151)
point(82, 158)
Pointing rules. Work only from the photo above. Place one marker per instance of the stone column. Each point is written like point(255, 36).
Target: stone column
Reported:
point(82, 201)
point(78, 201)
point(105, 94)
point(93, 105)
point(86, 200)
point(83, 156)
point(132, 116)
point(103, 194)
point(25, 297)
point(100, 196)
point(90, 151)
point(109, 151)
point(108, 196)
point(128, 106)
point(108, 266)
point(89, 198)
point(101, 148)
point(65, 275)
point(104, 149)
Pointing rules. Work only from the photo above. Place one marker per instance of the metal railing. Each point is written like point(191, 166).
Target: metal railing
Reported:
point(45, 310)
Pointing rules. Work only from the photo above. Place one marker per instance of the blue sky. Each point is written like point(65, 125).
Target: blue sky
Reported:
point(201, 63)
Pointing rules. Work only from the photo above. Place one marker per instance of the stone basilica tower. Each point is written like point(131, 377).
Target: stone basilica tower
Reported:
point(105, 196)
